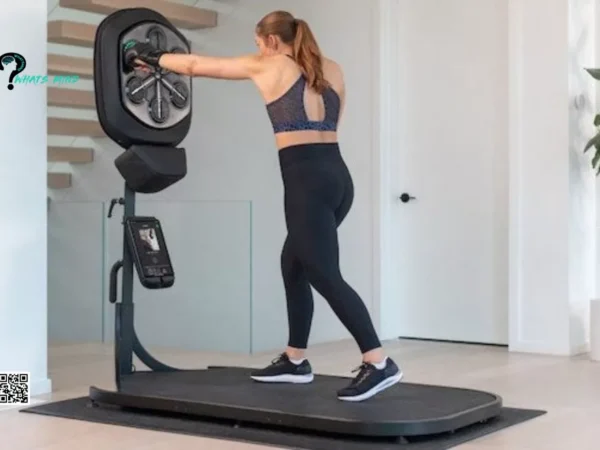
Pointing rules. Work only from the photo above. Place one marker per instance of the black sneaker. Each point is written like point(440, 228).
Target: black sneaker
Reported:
point(370, 381)
point(282, 370)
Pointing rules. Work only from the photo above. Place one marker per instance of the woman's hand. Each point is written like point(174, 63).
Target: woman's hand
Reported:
point(143, 56)
point(141, 65)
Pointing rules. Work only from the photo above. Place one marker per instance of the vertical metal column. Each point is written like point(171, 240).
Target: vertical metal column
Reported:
point(124, 317)
point(127, 343)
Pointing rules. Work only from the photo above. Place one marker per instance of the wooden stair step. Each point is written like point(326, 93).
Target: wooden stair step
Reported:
point(70, 65)
point(74, 127)
point(73, 155)
point(59, 180)
point(71, 33)
point(183, 16)
point(71, 98)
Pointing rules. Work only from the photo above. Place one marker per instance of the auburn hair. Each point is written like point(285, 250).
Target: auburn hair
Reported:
point(297, 34)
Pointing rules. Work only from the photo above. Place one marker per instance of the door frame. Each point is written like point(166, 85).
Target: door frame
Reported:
point(385, 113)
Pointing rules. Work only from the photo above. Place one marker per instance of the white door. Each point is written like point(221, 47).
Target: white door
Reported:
point(450, 242)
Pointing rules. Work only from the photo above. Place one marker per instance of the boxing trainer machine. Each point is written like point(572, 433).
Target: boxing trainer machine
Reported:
point(134, 111)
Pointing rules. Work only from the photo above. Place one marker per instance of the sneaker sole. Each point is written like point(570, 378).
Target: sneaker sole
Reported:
point(292, 379)
point(387, 383)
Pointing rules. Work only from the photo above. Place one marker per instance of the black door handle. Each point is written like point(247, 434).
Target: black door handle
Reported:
point(405, 198)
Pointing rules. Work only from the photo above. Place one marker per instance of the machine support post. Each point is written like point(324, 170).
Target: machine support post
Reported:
point(127, 343)
point(124, 322)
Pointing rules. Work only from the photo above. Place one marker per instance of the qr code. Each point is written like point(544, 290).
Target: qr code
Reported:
point(14, 389)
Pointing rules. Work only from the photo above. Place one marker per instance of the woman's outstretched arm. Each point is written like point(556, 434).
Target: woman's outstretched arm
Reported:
point(236, 68)
point(240, 68)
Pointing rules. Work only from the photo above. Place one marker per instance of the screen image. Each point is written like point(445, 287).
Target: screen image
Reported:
point(149, 243)
point(148, 237)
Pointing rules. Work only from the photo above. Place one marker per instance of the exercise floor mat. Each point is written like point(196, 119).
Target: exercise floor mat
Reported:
point(81, 409)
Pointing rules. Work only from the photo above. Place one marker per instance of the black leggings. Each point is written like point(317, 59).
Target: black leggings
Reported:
point(318, 195)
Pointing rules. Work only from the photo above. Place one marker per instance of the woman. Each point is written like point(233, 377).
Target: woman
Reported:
point(304, 93)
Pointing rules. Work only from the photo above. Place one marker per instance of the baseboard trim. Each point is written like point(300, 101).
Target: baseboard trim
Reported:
point(40, 386)
point(450, 341)
point(581, 349)
point(539, 348)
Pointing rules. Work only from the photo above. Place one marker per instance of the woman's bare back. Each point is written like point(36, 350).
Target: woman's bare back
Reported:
point(280, 76)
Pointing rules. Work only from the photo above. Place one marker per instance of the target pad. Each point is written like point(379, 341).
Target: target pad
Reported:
point(147, 114)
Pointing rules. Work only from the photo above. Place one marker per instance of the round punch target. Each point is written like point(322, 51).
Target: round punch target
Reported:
point(136, 91)
point(157, 38)
point(159, 109)
point(179, 93)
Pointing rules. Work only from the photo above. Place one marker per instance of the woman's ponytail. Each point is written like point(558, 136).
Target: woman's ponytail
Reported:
point(308, 56)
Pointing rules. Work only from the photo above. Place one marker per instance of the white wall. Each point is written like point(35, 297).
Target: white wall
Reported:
point(23, 319)
point(595, 106)
point(233, 184)
point(582, 183)
point(552, 229)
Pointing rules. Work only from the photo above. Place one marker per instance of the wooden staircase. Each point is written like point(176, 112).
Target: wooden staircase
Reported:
point(182, 16)
point(71, 33)
point(82, 35)
point(70, 65)
point(73, 155)
point(71, 98)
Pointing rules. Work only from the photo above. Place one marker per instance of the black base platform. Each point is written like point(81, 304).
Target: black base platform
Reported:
point(229, 393)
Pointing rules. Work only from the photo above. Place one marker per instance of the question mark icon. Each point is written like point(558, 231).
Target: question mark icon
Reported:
point(7, 58)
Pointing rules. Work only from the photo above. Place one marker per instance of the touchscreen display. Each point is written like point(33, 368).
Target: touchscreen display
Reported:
point(151, 249)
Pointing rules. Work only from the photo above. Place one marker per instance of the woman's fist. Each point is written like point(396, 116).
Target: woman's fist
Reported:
point(141, 54)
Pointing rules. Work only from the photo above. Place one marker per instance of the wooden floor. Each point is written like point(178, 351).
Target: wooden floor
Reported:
point(569, 388)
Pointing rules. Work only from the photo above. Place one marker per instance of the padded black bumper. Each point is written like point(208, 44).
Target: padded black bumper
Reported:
point(229, 393)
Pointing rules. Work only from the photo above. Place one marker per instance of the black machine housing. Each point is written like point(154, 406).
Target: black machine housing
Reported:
point(146, 114)
point(125, 122)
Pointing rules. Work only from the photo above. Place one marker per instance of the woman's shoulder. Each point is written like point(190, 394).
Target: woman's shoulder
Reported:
point(276, 62)
point(330, 63)
point(333, 72)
